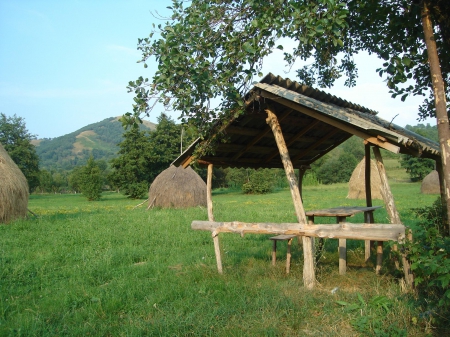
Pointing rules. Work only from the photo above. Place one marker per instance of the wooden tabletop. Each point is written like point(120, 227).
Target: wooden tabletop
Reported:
point(341, 211)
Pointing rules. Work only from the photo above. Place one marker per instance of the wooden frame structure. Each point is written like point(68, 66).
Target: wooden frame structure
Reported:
point(289, 125)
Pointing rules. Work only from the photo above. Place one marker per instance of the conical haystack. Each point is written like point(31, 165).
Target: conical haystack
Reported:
point(177, 187)
point(13, 189)
point(357, 185)
point(430, 184)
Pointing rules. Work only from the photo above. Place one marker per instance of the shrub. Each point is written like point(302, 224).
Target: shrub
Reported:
point(337, 170)
point(430, 257)
point(259, 182)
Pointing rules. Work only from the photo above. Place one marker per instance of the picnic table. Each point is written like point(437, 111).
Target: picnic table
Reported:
point(341, 214)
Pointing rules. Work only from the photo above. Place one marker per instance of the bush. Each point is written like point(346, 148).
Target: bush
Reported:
point(430, 257)
point(337, 170)
point(259, 182)
point(136, 190)
point(91, 180)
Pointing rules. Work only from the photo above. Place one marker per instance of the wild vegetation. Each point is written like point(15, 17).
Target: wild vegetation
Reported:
point(106, 268)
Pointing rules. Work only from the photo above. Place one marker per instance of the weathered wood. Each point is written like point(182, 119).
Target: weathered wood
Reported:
point(386, 190)
point(346, 230)
point(287, 238)
point(215, 235)
point(341, 211)
point(368, 216)
point(309, 277)
point(329, 120)
point(342, 256)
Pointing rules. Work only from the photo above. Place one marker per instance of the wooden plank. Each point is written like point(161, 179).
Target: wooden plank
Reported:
point(346, 230)
point(309, 277)
point(341, 211)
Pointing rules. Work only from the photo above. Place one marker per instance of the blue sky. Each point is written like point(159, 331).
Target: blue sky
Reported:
point(66, 64)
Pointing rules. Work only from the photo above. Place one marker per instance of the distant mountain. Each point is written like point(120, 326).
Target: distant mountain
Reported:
point(99, 139)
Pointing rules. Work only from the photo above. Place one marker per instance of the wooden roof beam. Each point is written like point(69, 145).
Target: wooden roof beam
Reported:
point(292, 139)
point(331, 121)
point(263, 133)
point(312, 147)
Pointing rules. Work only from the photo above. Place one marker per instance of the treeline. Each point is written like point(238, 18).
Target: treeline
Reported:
point(142, 154)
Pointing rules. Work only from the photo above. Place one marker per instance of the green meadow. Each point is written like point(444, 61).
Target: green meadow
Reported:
point(107, 268)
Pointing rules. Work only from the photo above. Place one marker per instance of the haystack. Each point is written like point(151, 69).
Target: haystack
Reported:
point(177, 187)
point(430, 184)
point(357, 185)
point(13, 189)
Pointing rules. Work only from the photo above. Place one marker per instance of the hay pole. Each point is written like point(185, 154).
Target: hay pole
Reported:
point(141, 203)
point(32, 213)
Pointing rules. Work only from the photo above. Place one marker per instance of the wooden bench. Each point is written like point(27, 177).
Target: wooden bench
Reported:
point(287, 238)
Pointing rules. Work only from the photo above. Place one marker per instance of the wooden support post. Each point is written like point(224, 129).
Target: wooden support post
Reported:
point(392, 212)
point(388, 198)
point(379, 257)
point(209, 203)
point(274, 253)
point(368, 216)
point(342, 249)
point(309, 277)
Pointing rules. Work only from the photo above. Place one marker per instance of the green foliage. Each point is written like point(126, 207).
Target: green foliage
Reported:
point(259, 182)
point(16, 140)
point(144, 155)
point(91, 180)
point(211, 51)
point(430, 256)
point(418, 168)
point(337, 170)
point(368, 317)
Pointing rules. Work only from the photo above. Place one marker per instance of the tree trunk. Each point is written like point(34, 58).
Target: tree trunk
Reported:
point(440, 102)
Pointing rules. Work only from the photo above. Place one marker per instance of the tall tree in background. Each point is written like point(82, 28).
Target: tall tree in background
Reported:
point(143, 155)
point(16, 140)
point(91, 180)
point(211, 51)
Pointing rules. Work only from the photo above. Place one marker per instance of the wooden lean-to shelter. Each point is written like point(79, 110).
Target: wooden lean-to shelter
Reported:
point(289, 125)
point(176, 187)
point(13, 189)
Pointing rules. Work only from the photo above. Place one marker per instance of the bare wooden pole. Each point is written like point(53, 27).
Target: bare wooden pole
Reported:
point(309, 277)
point(342, 250)
point(209, 203)
point(388, 197)
point(368, 187)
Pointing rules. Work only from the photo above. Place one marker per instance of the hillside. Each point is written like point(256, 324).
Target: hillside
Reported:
point(99, 139)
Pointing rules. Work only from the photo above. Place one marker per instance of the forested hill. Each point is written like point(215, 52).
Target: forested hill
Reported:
point(99, 139)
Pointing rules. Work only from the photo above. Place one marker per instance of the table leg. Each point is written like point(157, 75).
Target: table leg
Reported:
point(274, 252)
point(379, 256)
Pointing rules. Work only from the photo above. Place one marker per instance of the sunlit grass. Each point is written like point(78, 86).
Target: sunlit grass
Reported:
point(107, 268)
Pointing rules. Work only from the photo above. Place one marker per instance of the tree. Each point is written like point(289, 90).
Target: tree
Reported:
point(143, 155)
point(210, 52)
point(91, 180)
point(16, 140)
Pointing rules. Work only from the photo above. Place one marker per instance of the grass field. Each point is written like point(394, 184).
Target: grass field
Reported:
point(107, 269)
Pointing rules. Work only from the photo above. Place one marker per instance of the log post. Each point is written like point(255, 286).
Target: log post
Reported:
point(393, 214)
point(342, 249)
point(209, 203)
point(308, 254)
point(368, 217)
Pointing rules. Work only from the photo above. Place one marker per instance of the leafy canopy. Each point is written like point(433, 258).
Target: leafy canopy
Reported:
point(209, 53)
point(16, 140)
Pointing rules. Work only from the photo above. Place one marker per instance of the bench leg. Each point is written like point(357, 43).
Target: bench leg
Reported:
point(274, 253)
point(342, 256)
point(288, 257)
